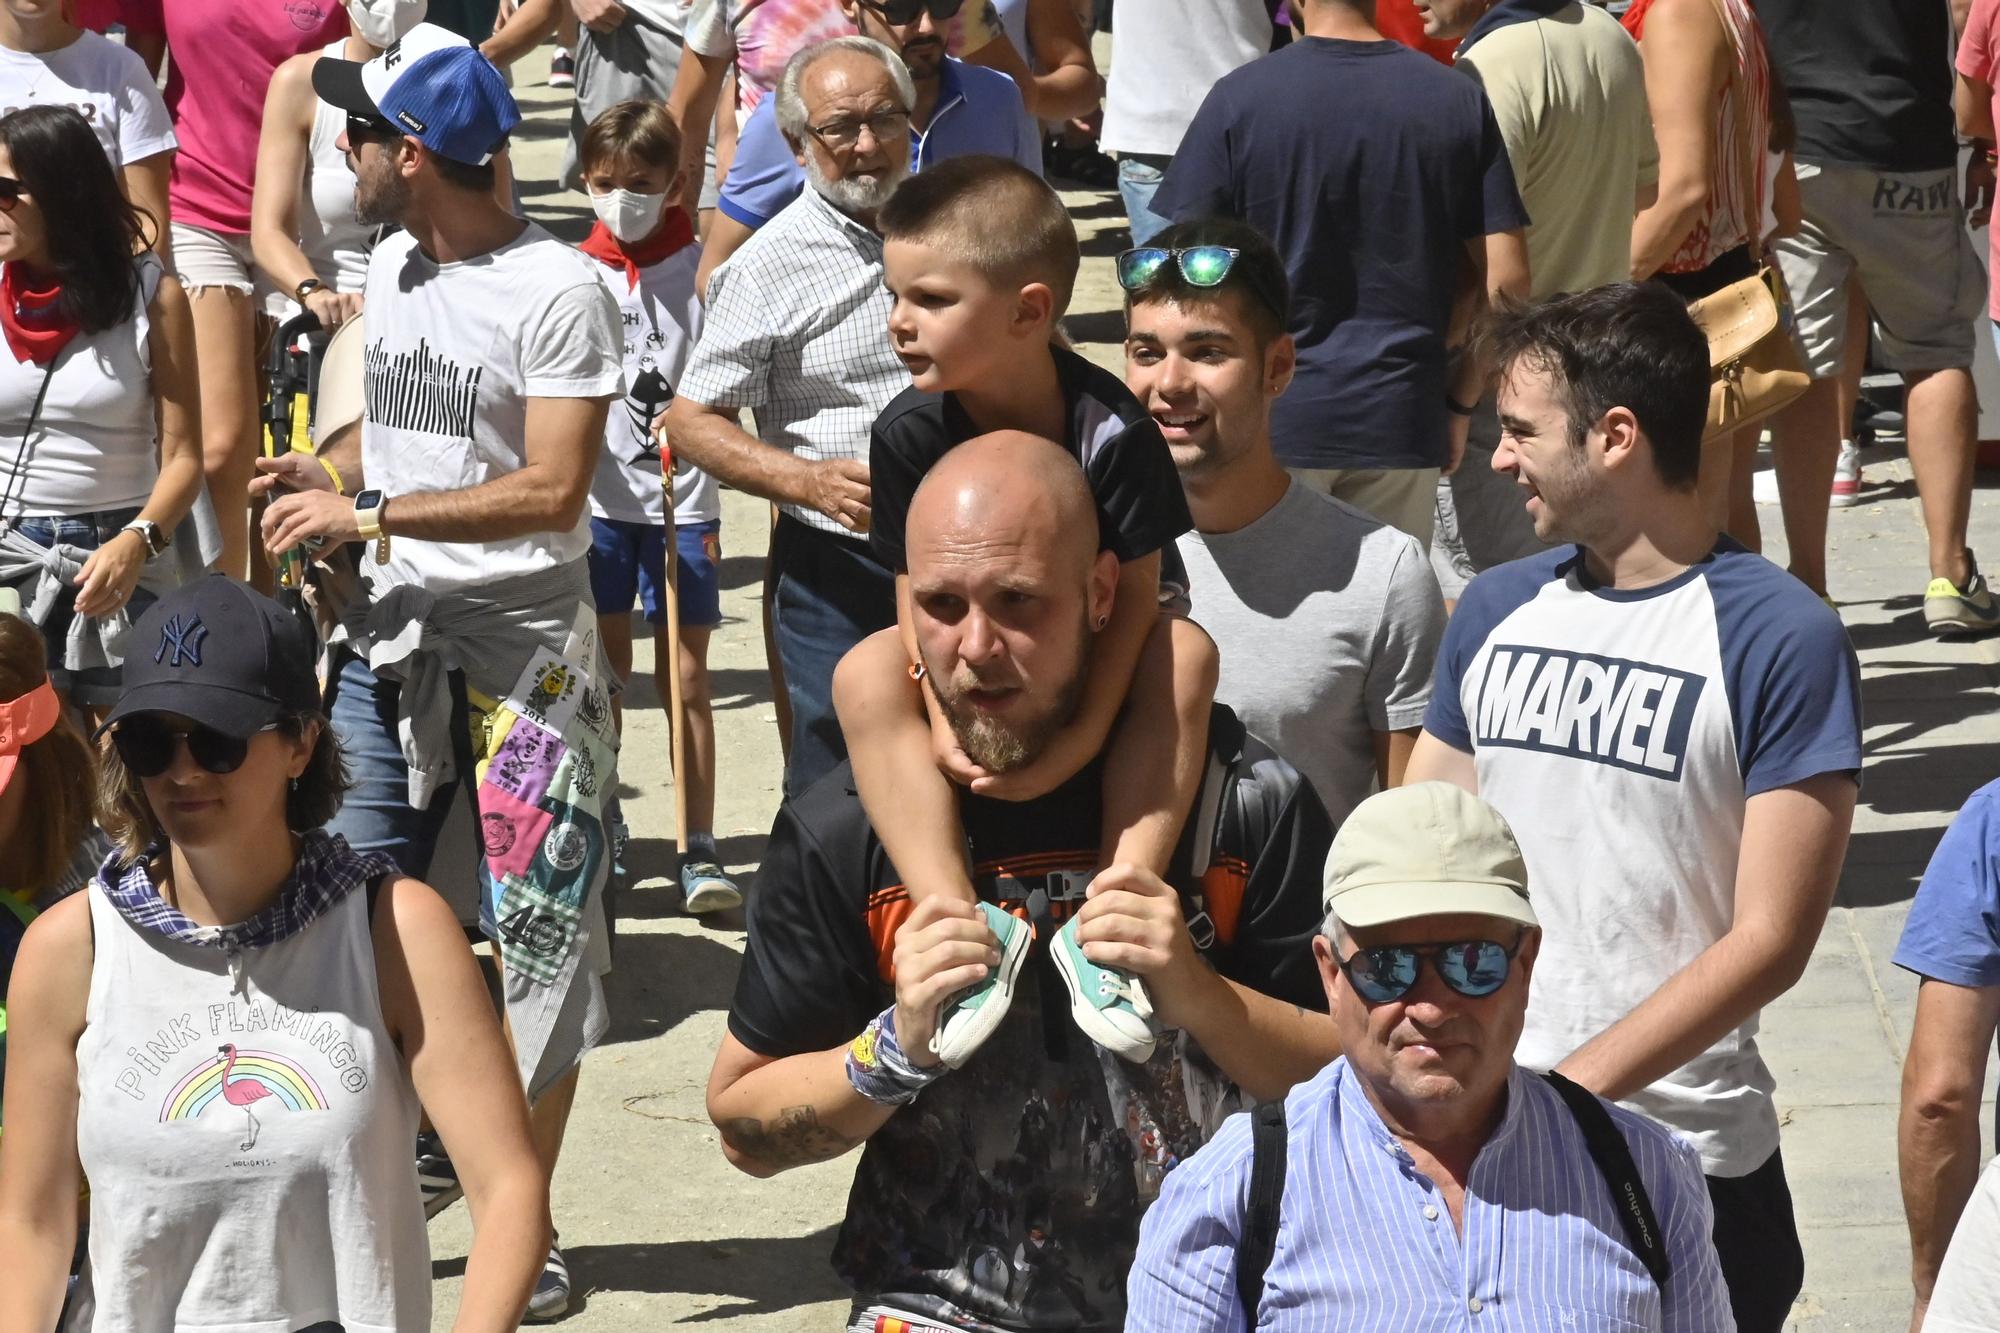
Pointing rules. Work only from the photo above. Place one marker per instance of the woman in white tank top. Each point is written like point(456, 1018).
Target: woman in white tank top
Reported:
point(230, 1031)
point(303, 232)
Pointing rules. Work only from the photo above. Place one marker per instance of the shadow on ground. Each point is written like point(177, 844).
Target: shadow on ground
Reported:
point(659, 980)
point(755, 1275)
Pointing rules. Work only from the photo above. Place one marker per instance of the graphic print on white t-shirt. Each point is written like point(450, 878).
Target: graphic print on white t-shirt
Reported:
point(100, 80)
point(1627, 714)
point(660, 320)
point(1620, 732)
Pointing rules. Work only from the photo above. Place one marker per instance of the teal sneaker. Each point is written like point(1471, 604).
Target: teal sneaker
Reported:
point(1111, 1007)
point(970, 1017)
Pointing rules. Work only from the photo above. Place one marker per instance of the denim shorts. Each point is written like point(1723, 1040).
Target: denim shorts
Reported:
point(93, 686)
point(630, 559)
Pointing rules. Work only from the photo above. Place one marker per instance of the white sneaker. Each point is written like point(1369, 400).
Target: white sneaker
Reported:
point(1846, 476)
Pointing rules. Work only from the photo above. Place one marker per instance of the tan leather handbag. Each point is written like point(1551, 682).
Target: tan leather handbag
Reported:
point(1753, 354)
point(1754, 363)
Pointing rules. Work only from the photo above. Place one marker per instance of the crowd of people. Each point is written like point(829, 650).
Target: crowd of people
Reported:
point(1187, 772)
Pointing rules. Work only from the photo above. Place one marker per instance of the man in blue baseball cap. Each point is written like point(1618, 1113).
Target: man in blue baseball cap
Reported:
point(492, 354)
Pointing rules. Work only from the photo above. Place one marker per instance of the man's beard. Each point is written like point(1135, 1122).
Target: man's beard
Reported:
point(854, 195)
point(380, 196)
point(1002, 747)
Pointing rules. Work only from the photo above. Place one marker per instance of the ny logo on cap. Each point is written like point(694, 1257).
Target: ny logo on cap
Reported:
point(182, 640)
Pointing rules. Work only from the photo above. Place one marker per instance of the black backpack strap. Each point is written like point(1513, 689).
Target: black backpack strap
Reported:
point(1614, 1161)
point(1268, 1149)
point(375, 894)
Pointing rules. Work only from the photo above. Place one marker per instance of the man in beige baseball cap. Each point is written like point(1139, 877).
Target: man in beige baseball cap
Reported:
point(1576, 1207)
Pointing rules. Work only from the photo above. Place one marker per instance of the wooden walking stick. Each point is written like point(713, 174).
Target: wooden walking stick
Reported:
point(676, 706)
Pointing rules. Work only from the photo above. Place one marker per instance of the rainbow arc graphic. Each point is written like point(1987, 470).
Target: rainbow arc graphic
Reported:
point(243, 1079)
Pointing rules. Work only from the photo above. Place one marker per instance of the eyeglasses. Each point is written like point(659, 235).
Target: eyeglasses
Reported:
point(1473, 968)
point(841, 135)
point(361, 127)
point(900, 12)
point(148, 745)
point(10, 193)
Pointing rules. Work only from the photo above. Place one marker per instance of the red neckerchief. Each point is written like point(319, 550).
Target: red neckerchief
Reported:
point(675, 233)
point(37, 329)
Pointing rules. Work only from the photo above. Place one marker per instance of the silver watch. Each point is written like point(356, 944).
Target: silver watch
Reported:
point(157, 538)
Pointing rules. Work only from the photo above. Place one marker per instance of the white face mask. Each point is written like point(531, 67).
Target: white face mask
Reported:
point(628, 216)
point(381, 23)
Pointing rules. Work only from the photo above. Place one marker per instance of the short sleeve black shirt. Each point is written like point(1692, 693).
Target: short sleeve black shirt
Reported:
point(1011, 1189)
point(1140, 505)
point(1870, 80)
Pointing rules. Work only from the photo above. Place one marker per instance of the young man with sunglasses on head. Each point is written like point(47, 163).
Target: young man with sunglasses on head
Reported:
point(960, 108)
point(1672, 725)
point(1329, 619)
point(492, 358)
point(1426, 1175)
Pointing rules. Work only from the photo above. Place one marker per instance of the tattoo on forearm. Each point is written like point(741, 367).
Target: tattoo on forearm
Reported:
point(795, 1138)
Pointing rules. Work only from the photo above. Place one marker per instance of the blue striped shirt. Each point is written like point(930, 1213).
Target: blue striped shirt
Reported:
point(1367, 1244)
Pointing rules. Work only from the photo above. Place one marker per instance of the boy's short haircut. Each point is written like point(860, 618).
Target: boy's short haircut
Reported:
point(635, 131)
point(1257, 275)
point(991, 213)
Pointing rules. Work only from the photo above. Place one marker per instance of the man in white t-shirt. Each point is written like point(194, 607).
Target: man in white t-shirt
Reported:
point(1328, 619)
point(493, 355)
point(1162, 66)
point(1672, 726)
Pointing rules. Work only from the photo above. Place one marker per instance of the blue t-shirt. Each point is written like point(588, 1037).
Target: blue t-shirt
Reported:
point(1369, 166)
point(1621, 733)
point(978, 110)
point(1953, 930)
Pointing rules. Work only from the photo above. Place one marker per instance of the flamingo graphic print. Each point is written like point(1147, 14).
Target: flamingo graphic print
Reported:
point(248, 1080)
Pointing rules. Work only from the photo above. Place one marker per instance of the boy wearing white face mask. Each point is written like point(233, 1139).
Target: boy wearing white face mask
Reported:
point(630, 162)
point(303, 232)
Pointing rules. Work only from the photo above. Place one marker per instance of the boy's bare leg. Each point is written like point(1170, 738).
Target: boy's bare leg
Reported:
point(614, 631)
point(909, 802)
point(695, 704)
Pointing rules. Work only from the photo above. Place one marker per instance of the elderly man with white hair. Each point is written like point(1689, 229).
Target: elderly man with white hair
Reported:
point(1425, 1180)
point(796, 331)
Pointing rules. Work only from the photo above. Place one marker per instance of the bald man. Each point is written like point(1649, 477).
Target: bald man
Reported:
point(1009, 1191)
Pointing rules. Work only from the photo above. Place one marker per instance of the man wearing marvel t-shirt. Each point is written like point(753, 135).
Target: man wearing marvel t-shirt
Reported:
point(1006, 1194)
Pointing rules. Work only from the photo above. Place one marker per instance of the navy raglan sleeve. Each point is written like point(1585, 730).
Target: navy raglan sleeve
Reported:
point(1201, 180)
point(808, 980)
point(1794, 688)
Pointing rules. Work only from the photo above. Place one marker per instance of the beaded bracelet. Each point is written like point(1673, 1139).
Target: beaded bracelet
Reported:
point(878, 1068)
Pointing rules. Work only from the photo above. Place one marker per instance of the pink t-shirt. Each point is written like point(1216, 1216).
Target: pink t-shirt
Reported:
point(1978, 55)
point(220, 57)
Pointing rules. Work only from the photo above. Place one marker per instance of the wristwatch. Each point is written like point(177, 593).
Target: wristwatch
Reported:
point(368, 507)
point(157, 538)
point(305, 289)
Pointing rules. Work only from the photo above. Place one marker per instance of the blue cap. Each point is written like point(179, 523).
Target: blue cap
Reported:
point(432, 85)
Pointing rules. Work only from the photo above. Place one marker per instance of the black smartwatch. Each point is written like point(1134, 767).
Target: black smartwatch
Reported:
point(305, 289)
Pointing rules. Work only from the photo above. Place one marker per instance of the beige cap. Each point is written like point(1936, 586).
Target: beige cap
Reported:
point(1432, 849)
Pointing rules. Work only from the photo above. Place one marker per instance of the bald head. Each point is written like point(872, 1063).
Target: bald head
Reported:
point(1007, 489)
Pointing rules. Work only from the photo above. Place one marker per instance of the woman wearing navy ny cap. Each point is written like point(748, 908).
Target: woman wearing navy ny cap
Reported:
point(230, 1032)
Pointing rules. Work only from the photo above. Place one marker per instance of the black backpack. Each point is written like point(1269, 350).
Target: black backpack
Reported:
point(1600, 1134)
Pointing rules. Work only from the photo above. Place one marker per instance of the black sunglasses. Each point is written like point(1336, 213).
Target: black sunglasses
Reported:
point(10, 193)
point(369, 127)
point(1473, 968)
point(905, 11)
point(147, 745)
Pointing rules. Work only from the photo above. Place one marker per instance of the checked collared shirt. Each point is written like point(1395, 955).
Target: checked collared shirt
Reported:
point(798, 332)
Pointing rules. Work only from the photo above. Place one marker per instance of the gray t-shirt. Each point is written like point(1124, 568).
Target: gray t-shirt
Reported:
point(1329, 623)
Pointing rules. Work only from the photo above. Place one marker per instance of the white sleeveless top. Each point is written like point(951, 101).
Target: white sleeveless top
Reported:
point(94, 444)
point(334, 243)
point(249, 1150)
